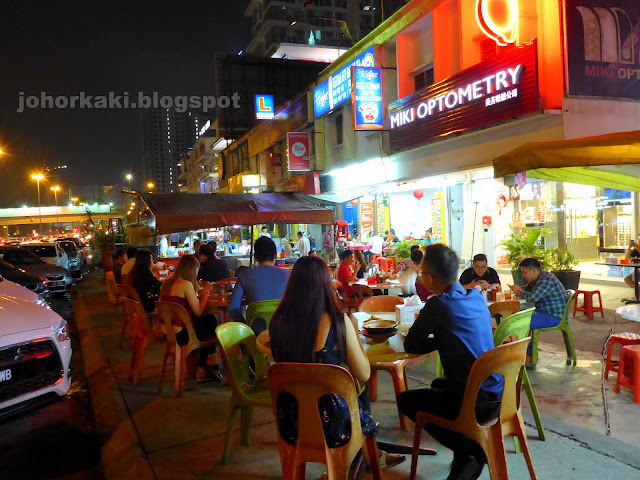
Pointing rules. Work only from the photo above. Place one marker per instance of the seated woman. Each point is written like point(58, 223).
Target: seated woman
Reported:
point(309, 327)
point(141, 278)
point(348, 273)
point(181, 288)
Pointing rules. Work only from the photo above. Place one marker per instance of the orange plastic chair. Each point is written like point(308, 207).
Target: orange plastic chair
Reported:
point(112, 288)
point(504, 309)
point(307, 383)
point(397, 369)
point(344, 303)
point(142, 333)
point(127, 291)
point(623, 339)
point(629, 372)
point(507, 360)
point(167, 312)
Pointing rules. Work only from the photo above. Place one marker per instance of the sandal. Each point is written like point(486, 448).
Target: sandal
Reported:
point(211, 376)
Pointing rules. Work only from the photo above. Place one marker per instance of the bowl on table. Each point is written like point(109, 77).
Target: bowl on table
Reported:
point(376, 326)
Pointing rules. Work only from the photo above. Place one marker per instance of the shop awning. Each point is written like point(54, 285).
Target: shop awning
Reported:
point(181, 212)
point(611, 161)
point(339, 198)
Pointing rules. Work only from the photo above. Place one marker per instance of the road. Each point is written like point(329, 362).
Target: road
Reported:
point(59, 440)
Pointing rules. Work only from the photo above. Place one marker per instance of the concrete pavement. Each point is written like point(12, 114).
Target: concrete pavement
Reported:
point(158, 436)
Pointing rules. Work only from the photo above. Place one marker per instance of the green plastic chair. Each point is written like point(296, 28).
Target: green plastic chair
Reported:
point(261, 310)
point(439, 369)
point(238, 347)
point(518, 325)
point(563, 326)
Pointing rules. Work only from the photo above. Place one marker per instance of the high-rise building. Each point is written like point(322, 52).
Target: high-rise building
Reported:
point(279, 25)
point(167, 136)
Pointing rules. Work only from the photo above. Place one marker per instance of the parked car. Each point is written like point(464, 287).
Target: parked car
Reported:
point(83, 248)
point(11, 289)
point(57, 279)
point(35, 283)
point(73, 255)
point(35, 355)
point(50, 252)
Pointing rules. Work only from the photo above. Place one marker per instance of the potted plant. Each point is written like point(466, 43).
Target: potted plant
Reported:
point(523, 246)
point(402, 249)
point(562, 264)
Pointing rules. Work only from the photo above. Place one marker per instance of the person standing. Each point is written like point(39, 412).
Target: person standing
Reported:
point(457, 323)
point(327, 245)
point(264, 232)
point(303, 246)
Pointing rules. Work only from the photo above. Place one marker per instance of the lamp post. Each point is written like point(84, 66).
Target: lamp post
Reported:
point(55, 191)
point(37, 177)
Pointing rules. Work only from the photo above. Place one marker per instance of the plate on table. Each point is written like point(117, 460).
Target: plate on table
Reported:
point(378, 326)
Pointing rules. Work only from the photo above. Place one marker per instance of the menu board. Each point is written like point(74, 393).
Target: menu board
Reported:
point(437, 218)
point(366, 217)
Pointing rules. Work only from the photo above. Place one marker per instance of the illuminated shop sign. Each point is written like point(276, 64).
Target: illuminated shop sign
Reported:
point(498, 89)
point(336, 89)
point(498, 19)
point(367, 98)
point(265, 107)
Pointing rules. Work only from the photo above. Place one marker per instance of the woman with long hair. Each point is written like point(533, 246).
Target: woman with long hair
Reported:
point(309, 327)
point(181, 288)
point(141, 278)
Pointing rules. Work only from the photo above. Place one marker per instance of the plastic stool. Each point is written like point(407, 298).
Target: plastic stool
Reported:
point(629, 372)
point(385, 263)
point(618, 339)
point(587, 306)
point(374, 258)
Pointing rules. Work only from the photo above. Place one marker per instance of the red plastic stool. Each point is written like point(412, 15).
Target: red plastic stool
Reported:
point(618, 339)
point(374, 258)
point(587, 306)
point(385, 263)
point(629, 373)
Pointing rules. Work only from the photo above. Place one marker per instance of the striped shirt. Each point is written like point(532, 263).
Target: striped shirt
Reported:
point(547, 294)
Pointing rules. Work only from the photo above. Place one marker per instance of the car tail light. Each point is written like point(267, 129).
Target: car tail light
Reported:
point(43, 278)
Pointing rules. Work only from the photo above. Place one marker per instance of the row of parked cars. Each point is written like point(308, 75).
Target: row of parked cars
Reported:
point(35, 349)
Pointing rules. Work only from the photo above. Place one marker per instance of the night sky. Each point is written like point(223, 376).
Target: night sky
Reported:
point(64, 48)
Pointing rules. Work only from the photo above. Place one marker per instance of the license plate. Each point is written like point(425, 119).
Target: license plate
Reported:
point(56, 284)
point(5, 375)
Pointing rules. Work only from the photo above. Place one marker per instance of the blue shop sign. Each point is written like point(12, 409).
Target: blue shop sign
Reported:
point(337, 88)
point(367, 98)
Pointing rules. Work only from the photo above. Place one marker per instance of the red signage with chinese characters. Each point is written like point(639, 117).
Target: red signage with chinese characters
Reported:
point(498, 89)
point(366, 217)
point(298, 151)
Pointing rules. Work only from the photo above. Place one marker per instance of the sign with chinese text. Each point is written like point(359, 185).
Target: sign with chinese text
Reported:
point(336, 89)
point(437, 218)
point(298, 151)
point(366, 217)
point(366, 92)
point(603, 48)
point(498, 89)
point(265, 107)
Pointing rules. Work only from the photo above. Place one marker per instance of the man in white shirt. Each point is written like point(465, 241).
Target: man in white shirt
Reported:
point(303, 245)
point(376, 244)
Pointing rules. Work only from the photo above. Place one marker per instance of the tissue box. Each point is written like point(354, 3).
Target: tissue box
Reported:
point(406, 314)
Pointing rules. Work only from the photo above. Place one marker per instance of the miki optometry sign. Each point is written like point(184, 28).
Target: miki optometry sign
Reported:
point(366, 92)
point(336, 89)
point(498, 89)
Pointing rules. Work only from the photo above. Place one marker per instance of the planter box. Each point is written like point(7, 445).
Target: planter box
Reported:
point(570, 280)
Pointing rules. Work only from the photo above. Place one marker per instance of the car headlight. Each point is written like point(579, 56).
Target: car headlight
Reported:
point(62, 333)
point(42, 302)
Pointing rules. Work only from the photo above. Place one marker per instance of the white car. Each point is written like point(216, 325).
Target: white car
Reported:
point(50, 252)
point(11, 289)
point(35, 355)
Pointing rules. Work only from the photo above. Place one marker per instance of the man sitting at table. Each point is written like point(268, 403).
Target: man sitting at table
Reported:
point(456, 323)
point(264, 282)
point(632, 251)
point(212, 269)
point(544, 291)
point(480, 274)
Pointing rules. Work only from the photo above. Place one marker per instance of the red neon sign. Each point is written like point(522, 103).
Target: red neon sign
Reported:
point(498, 19)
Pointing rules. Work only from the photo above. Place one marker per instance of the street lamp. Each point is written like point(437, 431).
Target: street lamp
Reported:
point(55, 191)
point(37, 177)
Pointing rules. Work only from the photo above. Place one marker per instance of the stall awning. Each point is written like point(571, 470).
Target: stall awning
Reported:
point(339, 198)
point(611, 161)
point(181, 212)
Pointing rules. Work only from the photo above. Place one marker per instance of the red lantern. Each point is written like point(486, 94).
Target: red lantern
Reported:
point(354, 202)
point(418, 194)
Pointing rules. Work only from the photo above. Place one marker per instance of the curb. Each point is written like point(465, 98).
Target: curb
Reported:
point(122, 455)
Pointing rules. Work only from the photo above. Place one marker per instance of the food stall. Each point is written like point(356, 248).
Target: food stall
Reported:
point(186, 212)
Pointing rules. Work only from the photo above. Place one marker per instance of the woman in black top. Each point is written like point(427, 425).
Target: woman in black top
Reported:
point(141, 278)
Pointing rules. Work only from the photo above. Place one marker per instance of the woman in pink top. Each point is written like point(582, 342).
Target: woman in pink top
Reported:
point(181, 288)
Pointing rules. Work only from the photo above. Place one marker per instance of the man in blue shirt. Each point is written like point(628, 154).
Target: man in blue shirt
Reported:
point(457, 323)
point(265, 282)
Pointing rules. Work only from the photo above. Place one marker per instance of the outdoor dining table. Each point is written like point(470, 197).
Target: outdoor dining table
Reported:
point(635, 267)
point(387, 350)
point(384, 286)
point(364, 248)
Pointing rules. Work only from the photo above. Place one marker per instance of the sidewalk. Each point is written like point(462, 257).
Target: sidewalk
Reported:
point(159, 436)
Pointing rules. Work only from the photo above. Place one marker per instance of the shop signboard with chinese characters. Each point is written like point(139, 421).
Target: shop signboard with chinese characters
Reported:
point(366, 217)
point(298, 151)
point(437, 217)
point(336, 89)
point(366, 92)
point(603, 48)
point(497, 89)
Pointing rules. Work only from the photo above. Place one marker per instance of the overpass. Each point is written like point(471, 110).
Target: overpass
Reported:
point(69, 214)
